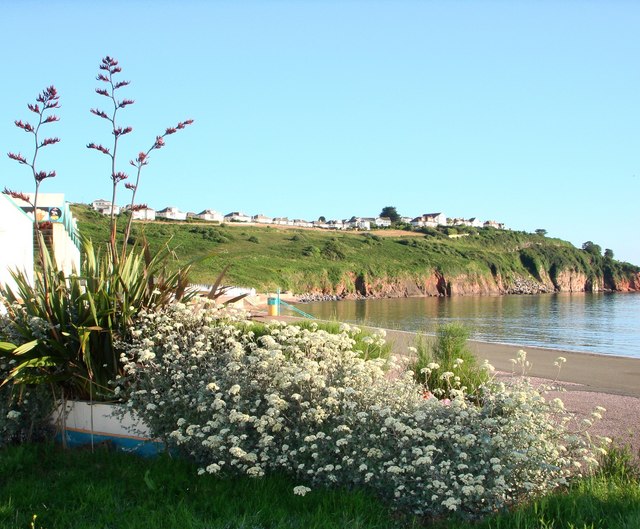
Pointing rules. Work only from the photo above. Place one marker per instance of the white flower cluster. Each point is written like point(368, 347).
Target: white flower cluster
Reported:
point(18, 326)
point(303, 401)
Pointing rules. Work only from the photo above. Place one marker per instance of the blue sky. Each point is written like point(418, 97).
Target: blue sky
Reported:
point(525, 112)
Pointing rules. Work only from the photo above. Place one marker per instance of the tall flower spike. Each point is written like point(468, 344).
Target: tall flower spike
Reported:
point(108, 69)
point(48, 99)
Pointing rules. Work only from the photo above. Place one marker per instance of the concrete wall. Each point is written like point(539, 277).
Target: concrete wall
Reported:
point(16, 241)
point(65, 252)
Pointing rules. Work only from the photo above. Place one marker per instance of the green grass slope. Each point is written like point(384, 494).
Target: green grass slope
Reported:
point(349, 263)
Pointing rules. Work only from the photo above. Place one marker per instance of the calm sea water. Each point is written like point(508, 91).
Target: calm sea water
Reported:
point(594, 323)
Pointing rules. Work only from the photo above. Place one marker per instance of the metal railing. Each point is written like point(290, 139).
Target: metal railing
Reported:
point(296, 309)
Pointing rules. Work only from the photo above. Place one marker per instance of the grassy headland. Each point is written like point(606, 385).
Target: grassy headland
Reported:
point(377, 263)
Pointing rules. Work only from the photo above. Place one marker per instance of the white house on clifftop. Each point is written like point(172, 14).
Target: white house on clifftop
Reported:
point(104, 206)
point(210, 215)
point(171, 213)
point(237, 216)
point(430, 220)
point(144, 214)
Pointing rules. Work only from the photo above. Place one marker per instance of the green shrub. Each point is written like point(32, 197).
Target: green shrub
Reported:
point(370, 238)
point(446, 364)
point(619, 464)
point(311, 251)
point(333, 251)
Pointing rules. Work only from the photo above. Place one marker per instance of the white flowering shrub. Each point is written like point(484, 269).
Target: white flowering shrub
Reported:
point(301, 400)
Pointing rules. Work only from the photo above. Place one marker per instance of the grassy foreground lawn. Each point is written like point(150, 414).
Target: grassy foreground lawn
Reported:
point(78, 489)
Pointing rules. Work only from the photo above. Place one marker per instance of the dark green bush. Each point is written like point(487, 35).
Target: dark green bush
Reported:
point(333, 251)
point(311, 251)
point(450, 352)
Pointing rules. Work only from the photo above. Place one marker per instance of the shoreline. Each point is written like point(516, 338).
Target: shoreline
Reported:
point(616, 375)
point(625, 351)
point(588, 372)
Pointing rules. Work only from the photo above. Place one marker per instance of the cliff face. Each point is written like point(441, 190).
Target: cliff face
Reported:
point(437, 284)
point(628, 284)
point(573, 281)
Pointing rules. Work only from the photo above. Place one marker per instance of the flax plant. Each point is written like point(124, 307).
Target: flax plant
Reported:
point(92, 311)
point(66, 328)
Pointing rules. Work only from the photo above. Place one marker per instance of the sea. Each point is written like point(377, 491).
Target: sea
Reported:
point(599, 323)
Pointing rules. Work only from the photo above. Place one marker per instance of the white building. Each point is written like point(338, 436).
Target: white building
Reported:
point(16, 234)
point(302, 223)
point(237, 216)
point(473, 222)
point(210, 215)
point(336, 225)
point(59, 229)
point(430, 220)
point(144, 214)
point(382, 222)
point(262, 219)
point(358, 223)
point(171, 213)
point(104, 206)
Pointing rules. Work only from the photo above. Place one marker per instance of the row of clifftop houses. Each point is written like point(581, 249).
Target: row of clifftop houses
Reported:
point(430, 220)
